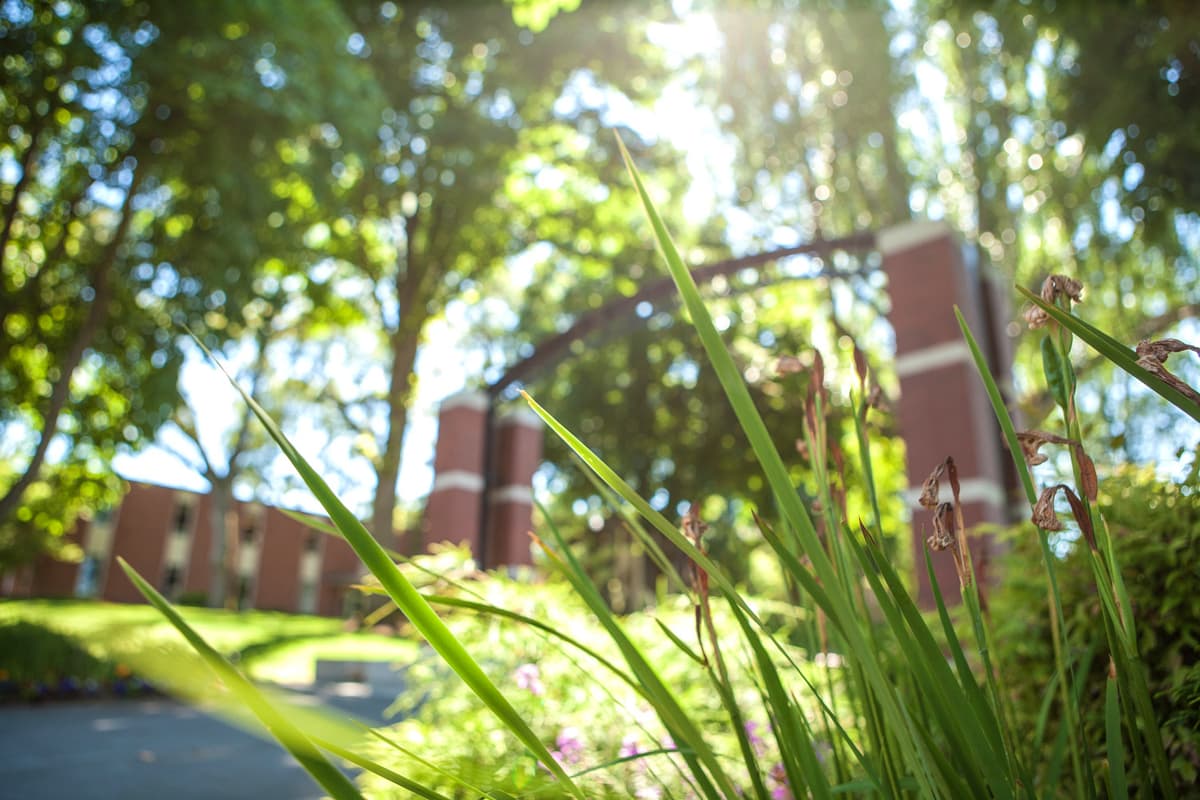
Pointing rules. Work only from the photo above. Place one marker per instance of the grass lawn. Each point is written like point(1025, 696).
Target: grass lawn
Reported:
point(52, 639)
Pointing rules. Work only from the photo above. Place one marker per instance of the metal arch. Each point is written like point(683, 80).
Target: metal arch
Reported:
point(553, 349)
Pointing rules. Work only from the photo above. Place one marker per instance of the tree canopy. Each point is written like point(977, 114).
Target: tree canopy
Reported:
point(373, 165)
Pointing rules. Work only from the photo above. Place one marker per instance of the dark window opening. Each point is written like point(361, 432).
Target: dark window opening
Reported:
point(183, 517)
point(249, 533)
point(313, 542)
point(171, 581)
point(243, 600)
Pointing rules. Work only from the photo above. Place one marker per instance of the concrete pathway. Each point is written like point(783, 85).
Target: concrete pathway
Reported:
point(152, 749)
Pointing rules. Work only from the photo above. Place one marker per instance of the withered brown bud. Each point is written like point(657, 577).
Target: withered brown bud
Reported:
point(1152, 356)
point(1088, 481)
point(789, 365)
point(942, 537)
point(693, 526)
point(1035, 317)
point(1044, 515)
point(929, 489)
point(1032, 441)
point(1057, 286)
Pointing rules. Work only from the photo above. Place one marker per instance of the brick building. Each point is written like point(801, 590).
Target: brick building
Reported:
point(165, 534)
point(484, 464)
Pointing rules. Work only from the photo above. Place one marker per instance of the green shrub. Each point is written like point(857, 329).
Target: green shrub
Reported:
point(590, 716)
point(1156, 532)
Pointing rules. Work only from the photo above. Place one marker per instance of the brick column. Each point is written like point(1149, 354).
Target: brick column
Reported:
point(943, 409)
point(455, 503)
point(517, 447)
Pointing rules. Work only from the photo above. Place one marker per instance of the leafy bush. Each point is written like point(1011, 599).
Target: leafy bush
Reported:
point(1156, 532)
point(589, 715)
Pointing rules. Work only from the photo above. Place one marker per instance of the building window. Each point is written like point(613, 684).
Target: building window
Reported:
point(312, 542)
point(183, 517)
point(171, 582)
point(244, 587)
point(308, 597)
point(249, 533)
point(87, 583)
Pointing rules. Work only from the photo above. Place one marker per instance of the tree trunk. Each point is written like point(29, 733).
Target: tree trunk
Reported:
point(222, 552)
point(14, 202)
point(404, 356)
point(60, 392)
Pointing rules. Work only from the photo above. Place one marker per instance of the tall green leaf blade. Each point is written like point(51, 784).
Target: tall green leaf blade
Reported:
point(292, 738)
point(1117, 353)
point(793, 511)
point(1116, 749)
point(407, 598)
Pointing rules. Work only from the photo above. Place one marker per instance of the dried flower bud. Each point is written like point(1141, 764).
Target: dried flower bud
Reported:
point(693, 526)
point(1044, 515)
point(952, 475)
point(929, 489)
point(875, 398)
point(1035, 317)
point(789, 365)
point(1152, 356)
point(1032, 441)
point(942, 537)
point(818, 368)
point(1088, 481)
point(860, 365)
point(1057, 286)
point(1159, 350)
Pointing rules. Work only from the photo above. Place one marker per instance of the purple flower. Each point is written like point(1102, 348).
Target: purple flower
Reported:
point(528, 677)
point(780, 790)
point(570, 746)
point(756, 741)
point(629, 746)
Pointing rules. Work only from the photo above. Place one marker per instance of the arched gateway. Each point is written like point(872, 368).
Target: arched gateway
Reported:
point(484, 462)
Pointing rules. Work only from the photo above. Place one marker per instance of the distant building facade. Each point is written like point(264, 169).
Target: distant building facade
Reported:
point(165, 534)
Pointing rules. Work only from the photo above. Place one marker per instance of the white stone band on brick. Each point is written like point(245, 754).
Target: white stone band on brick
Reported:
point(520, 416)
point(971, 490)
point(930, 358)
point(899, 238)
point(473, 400)
point(458, 479)
point(512, 494)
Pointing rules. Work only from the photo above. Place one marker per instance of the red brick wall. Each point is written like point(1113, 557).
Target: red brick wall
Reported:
point(147, 513)
point(340, 568)
point(943, 409)
point(54, 578)
point(199, 570)
point(278, 581)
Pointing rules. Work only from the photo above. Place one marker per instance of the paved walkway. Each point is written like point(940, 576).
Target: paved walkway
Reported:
point(151, 749)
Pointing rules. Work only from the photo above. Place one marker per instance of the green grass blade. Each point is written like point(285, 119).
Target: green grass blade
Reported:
point(1116, 750)
point(998, 407)
point(677, 722)
point(679, 643)
point(329, 777)
point(622, 508)
point(407, 598)
point(376, 768)
point(790, 729)
point(549, 630)
point(429, 765)
point(1116, 352)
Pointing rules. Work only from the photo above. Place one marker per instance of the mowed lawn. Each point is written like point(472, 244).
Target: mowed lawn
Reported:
point(267, 645)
